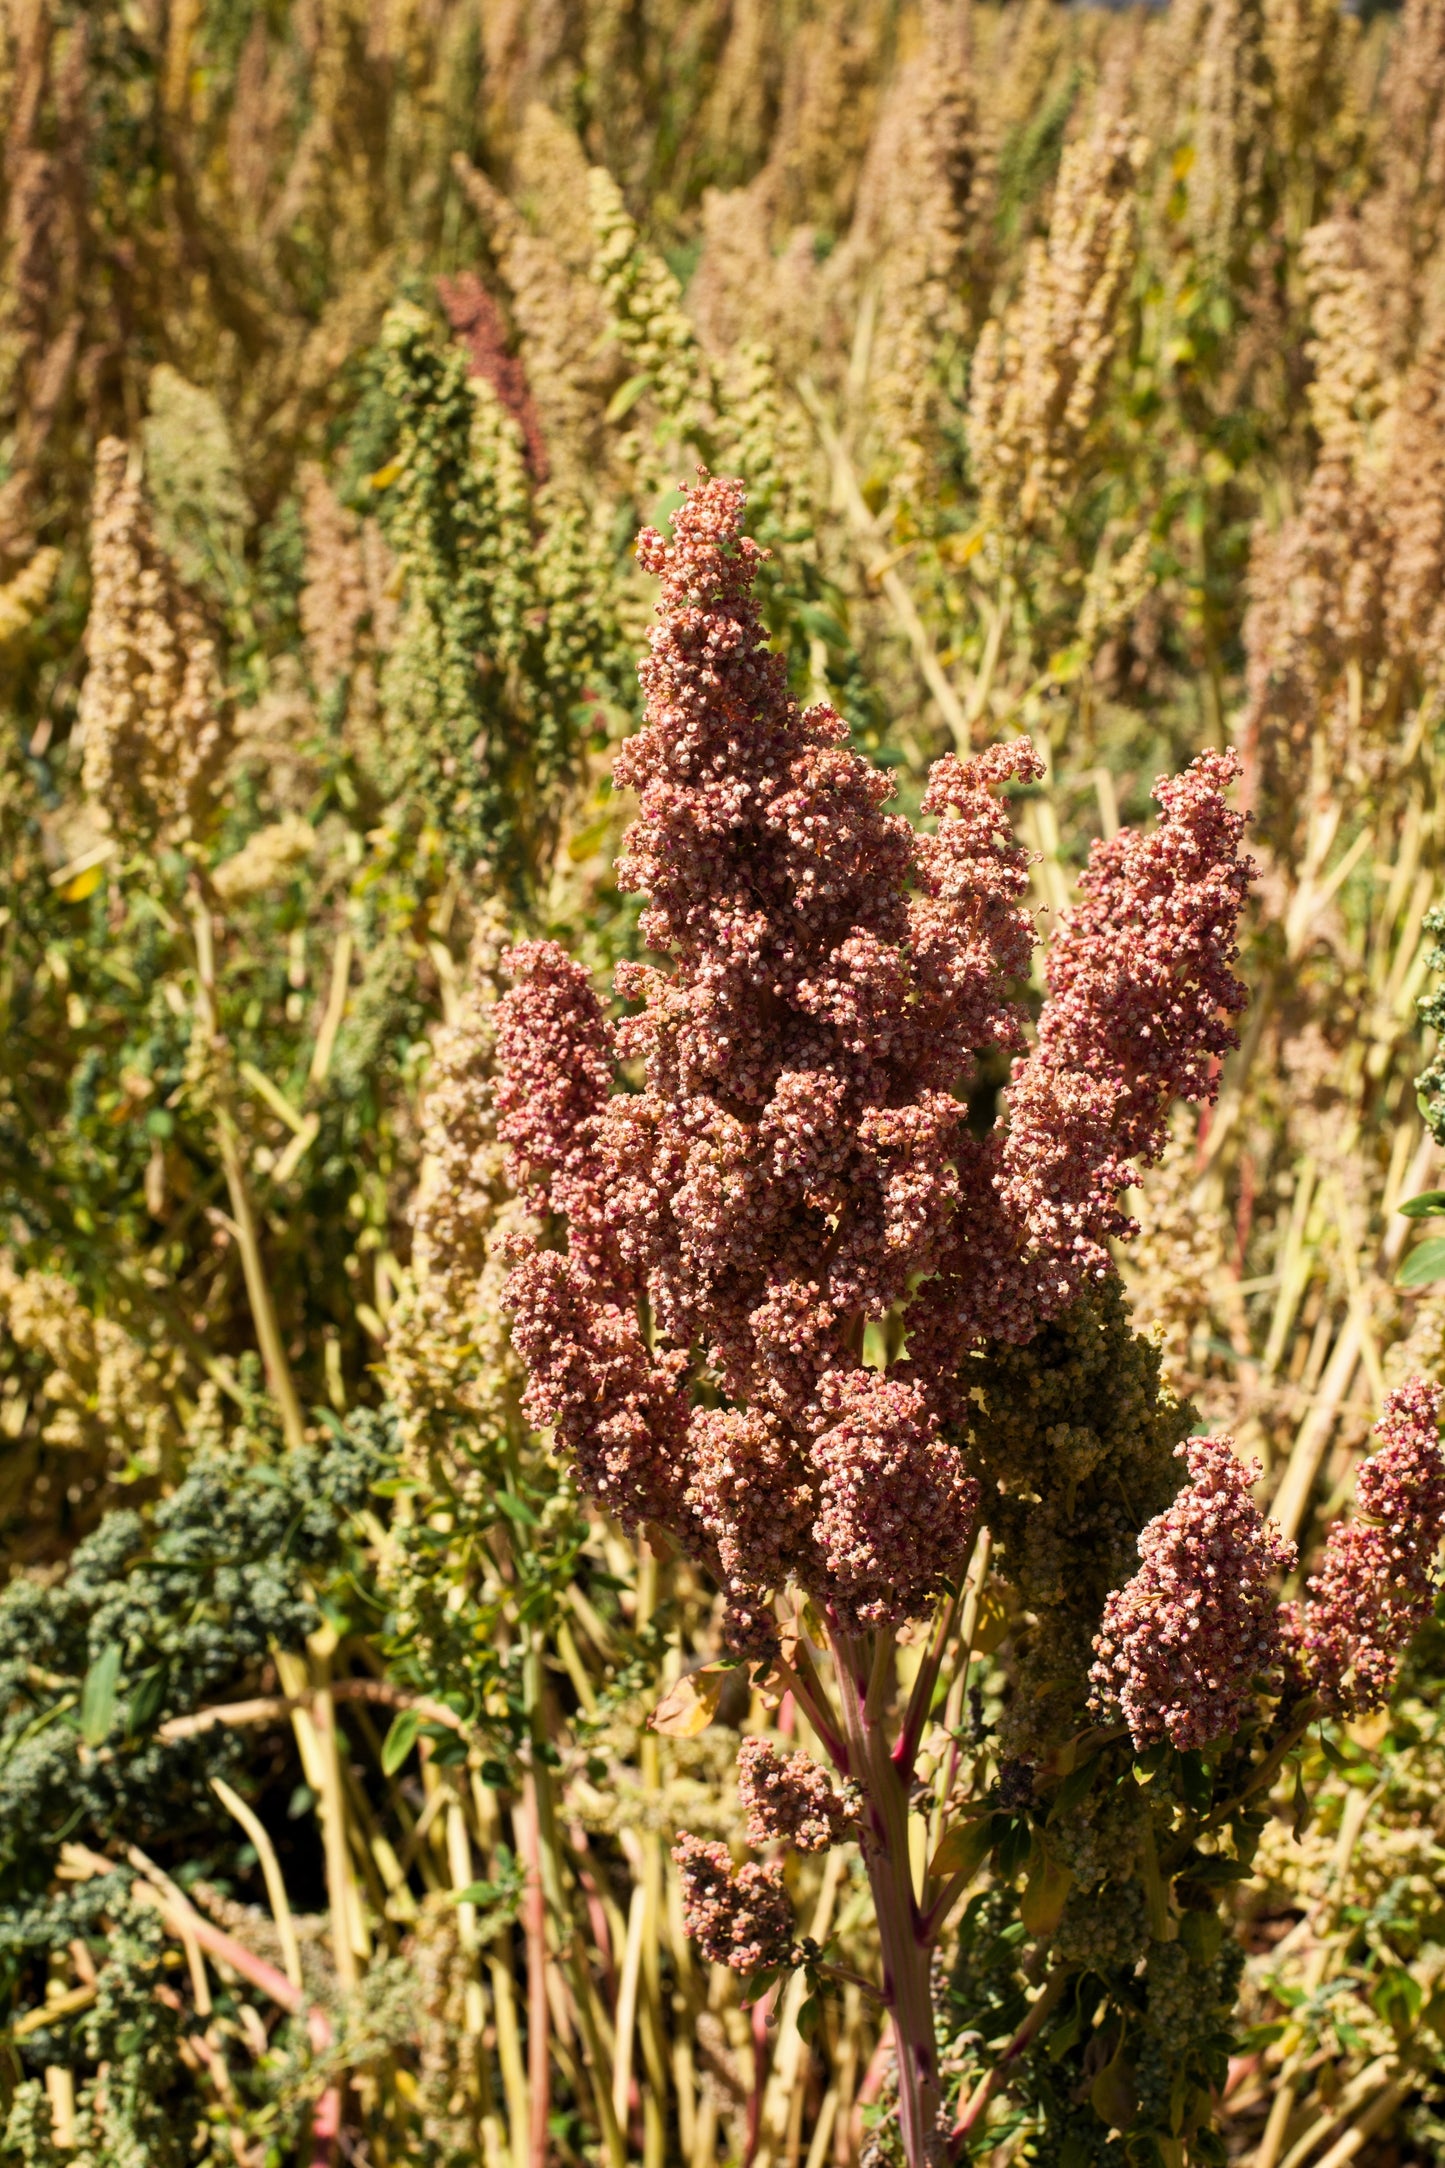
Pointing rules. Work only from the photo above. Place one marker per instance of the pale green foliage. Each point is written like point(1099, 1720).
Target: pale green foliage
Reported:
point(508, 618)
point(193, 480)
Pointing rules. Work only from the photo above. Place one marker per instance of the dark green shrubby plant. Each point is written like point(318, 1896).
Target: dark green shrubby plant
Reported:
point(159, 1611)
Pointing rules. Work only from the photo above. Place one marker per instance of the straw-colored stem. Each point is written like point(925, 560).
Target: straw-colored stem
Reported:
point(258, 1287)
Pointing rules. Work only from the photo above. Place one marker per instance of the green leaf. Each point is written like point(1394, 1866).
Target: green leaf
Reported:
point(1014, 1844)
point(1112, 2095)
point(964, 1848)
point(1067, 664)
point(1425, 1206)
point(400, 1740)
point(992, 1623)
point(448, 1748)
point(1196, 1781)
point(1201, 1933)
point(516, 1509)
point(1261, 2036)
point(1064, 2036)
point(1076, 1786)
point(626, 397)
point(1398, 1998)
point(148, 1698)
point(97, 1696)
point(822, 625)
point(1214, 1868)
point(1424, 1264)
point(1332, 1753)
point(1301, 1806)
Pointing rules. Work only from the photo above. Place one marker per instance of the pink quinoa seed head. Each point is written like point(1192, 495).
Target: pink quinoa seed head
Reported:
point(1183, 1642)
point(1377, 1580)
point(798, 1163)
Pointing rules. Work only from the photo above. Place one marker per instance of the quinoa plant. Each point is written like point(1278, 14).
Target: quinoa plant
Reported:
point(754, 1312)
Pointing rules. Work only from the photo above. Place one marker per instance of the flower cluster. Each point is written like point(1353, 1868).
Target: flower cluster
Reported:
point(153, 707)
point(1377, 1580)
point(553, 1054)
point(798, 1164)
point(738, 1916)
point(477, 322)
point(1140, 990)
point(1039, 379)
point(892, 1496)
point(1183, 1642)
point(449, 1371)
point(789, 1799)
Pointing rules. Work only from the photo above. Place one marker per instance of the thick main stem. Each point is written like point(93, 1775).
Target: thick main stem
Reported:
point(901, 1932)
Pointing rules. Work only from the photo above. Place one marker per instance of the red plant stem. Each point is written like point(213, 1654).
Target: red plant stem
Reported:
point(988, 2084)
point(325, 2128)
point(534, 1923)
point(326, 2116)
point(869, 2090)
point(920, 1701)
point(863, 1671)
point(596, 1912)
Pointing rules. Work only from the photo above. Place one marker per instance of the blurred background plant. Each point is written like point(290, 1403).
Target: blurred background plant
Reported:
point(1085, 370)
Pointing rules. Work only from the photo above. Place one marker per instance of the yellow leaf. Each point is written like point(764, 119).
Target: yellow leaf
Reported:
point(385, 476)
point(690, 1706)
point(1369, 1731)
point(1045, 1894)
point(85, 884)
point(992, 1623)
point(958, 549)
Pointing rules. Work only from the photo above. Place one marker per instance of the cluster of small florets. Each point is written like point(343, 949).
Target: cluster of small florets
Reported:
point(153, 707)
point(1378, 1578)
point(738, 1916)
point(789, 1799)
point(477, 321)
point(798, 1162)
point(1140, 993)
point(554, 1074)
point(1183, 1643)
point(892, 1496)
